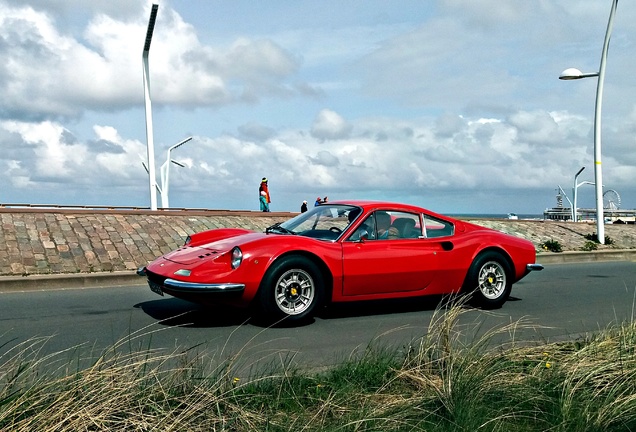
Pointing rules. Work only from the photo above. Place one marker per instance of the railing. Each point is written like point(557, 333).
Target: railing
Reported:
point(613, 216)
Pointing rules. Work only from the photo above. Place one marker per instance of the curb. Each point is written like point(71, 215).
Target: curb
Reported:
point(114, 279)
point(583, 257)
point(69, 281)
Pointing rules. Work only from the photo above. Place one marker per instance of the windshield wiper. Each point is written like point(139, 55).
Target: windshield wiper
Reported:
point(270, 229)
point(277, 228)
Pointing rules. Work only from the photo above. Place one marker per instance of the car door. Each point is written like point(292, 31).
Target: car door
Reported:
point(375, 265)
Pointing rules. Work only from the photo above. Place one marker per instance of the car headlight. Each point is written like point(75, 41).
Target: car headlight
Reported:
point(237, 257)
point(183, 272)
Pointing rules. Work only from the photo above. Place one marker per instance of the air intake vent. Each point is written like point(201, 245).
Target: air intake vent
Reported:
point(209, 254)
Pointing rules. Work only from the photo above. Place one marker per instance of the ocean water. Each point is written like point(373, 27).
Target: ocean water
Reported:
point(495, 216)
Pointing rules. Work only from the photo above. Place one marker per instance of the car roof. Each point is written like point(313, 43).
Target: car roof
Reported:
point(370, 205)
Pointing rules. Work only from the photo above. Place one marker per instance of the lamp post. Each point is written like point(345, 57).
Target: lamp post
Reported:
point(575, 193)
point(165, 173)
point(148, 103)
point(560, 189)
point(573, 73)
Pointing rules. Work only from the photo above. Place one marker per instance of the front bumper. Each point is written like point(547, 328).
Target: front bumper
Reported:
point(202, 288)
point(173, 286)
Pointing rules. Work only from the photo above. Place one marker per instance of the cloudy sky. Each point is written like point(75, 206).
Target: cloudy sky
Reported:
point(454, 105)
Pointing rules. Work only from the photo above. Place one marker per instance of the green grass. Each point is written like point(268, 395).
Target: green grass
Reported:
point(455, 378)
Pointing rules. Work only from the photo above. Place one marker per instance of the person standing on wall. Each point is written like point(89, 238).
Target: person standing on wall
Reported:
point(303, 207)
point(263, 201)
point(263, 195)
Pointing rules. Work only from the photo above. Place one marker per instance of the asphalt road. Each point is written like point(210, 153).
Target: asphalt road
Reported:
point(564, 301)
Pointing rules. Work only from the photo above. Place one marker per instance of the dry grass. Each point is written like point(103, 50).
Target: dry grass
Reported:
point(449, 380)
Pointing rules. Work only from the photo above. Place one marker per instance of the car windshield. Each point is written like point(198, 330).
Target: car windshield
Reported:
point(325, 222)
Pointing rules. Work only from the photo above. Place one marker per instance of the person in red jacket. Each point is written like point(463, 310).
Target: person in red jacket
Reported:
point(263, 195)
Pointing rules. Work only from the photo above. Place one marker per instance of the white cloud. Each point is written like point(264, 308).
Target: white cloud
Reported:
point(444, 104)
point(414, 163)
point(51, 74)
point(54, 155)
point(324, 158)
point(67, 8)
point(330, 125)
point(50, 154)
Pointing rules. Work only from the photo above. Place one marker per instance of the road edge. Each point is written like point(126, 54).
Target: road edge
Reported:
point(130, 278)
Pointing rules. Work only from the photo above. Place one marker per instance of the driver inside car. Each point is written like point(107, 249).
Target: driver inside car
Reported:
point(376, 226)
point(384, 228)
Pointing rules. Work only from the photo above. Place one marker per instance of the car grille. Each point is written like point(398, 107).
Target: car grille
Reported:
point(155, 278)
point(155, 282)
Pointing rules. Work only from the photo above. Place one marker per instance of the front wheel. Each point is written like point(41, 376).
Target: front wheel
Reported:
point(489, 281)
point(291, 290)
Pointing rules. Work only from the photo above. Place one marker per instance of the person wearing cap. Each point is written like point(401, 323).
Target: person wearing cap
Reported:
point(303, 207)
point(263, 195)
point(318, 202)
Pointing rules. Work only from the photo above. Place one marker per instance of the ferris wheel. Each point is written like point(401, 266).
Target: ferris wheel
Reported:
point(611, 200)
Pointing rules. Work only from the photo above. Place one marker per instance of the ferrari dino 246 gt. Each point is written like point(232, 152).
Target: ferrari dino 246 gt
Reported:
point(344, 251)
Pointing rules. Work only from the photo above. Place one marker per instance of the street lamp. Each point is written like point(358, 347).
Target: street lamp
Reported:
point(165, 173)
point(573, 73)
point(560, 189)
point(149, 136)
point(574, 192)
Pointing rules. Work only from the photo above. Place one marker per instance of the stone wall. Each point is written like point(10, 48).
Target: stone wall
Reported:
point(40, 241)
point(83, 242)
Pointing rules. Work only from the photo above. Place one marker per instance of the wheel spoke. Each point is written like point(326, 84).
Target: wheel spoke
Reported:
point(492, 280)
point(294, 291)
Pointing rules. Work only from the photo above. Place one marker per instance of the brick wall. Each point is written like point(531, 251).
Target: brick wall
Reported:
point(39, 241)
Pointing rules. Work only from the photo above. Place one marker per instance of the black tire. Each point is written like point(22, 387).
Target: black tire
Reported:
point(292, 289)
point(489, 281)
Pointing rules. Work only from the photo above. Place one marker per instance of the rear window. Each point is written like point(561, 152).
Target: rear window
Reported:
point(434, 227)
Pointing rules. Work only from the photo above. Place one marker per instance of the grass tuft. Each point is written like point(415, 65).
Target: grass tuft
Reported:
point(454, 378)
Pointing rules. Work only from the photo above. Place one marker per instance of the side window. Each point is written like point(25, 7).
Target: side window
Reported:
point(405, 225)
point(434, 227)
point(367, 228)
point(388, 225)
point(383, 228)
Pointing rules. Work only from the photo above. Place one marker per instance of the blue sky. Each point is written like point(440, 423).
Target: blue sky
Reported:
point(452, 105)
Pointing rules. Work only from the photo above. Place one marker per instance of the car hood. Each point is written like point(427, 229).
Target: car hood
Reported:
point(189, 255)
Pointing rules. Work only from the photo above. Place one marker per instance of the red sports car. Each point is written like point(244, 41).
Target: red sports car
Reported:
point(344, 251)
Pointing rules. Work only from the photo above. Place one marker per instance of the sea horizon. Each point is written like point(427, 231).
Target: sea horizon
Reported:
point(496, 215)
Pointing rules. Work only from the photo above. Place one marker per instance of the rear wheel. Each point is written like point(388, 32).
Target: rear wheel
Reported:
point(489, 281)
point(291, 289)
